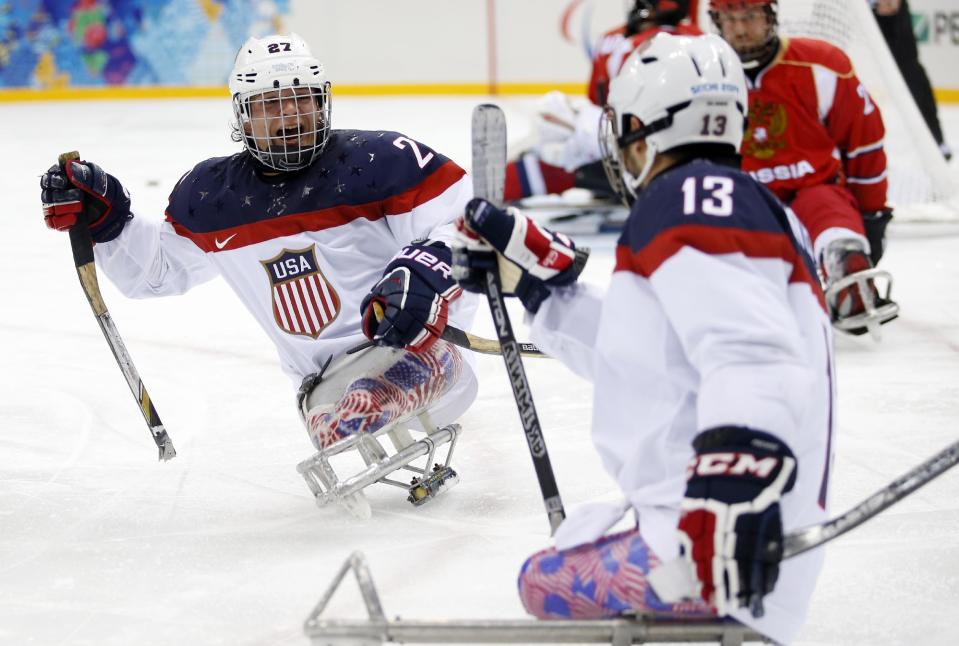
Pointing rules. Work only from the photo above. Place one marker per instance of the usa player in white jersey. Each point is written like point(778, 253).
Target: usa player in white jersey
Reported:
point(328, 237)
point(710, 352)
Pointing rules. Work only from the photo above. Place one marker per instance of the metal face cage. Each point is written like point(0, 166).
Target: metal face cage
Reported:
point(613, 164)
point(285, 128)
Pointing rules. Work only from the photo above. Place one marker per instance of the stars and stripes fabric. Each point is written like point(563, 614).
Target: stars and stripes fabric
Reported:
point(600, 579)
point(374, 400)
point(304, 302)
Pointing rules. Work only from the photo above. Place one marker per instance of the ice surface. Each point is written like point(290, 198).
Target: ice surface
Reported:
point(100, 544)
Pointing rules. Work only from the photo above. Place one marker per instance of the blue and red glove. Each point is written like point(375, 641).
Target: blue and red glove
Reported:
point(544, 258)
point(730, 525)
point(408, 307)
point(82, 192)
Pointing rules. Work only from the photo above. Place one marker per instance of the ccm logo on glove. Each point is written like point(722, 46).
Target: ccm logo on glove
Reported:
point(731, 464)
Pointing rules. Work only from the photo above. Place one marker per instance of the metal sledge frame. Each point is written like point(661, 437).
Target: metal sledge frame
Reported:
point(378, 630)
point(327, 487)
point(876, 312)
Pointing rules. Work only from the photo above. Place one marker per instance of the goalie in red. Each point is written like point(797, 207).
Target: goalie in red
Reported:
point(815, 138)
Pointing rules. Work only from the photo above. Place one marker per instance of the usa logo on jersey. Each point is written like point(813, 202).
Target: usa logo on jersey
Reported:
point(304, 302)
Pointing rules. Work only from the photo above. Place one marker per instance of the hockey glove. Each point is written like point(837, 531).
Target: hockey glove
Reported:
point(730, 527)
point(82, 191)
point(408, 307)
point(875, 223)
point(545, 259)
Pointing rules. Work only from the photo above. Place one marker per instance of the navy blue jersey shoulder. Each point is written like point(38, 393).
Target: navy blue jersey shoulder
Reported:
point(357, 167)
point(701, 192)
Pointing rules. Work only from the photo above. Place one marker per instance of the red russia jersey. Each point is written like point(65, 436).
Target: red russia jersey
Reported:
point(598, 77)
point(613, 48)
point(811, 122)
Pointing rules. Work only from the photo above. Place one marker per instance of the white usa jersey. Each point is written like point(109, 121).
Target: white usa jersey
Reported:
point(713, 317)
point(300, 249)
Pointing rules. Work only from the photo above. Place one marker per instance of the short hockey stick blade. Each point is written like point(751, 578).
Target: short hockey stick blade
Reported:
point(470, 341)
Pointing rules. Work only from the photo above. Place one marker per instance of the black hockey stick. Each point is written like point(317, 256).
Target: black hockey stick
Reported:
point(82, 245)
point(472, 342)
point(489, 172)
point(807, 538)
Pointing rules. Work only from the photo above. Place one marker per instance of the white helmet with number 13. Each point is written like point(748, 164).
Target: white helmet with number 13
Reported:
point(676, 91)
point(281, 101)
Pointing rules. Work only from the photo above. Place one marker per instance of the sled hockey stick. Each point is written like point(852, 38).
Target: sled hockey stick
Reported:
point(478, 344)
point(489, 174)
point(671, 580)
point(82, 245)
point(807, 538)
point(472, 342)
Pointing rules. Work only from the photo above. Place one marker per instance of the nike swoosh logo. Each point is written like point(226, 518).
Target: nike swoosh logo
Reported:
point(220, 245)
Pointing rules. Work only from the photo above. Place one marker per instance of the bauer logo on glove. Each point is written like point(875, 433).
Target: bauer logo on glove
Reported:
point(408, 307)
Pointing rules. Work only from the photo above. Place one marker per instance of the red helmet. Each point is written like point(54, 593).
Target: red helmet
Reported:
point(658, 12)
point(726, 5)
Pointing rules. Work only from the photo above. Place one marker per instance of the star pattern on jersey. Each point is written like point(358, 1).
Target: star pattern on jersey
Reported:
point(345, 169)
point(278, 206)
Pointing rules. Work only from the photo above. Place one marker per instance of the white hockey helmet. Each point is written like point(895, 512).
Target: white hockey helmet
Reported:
point(281, 101)
point(683, 90)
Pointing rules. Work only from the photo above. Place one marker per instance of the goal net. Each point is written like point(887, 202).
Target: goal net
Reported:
point(922, 185)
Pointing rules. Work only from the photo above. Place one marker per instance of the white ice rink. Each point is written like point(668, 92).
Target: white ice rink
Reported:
point(102, 545)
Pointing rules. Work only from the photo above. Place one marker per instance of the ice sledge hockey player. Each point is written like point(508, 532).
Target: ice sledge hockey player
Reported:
point(328, 237)
point(710, 354)
point(815, 138)
point(566, 154)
